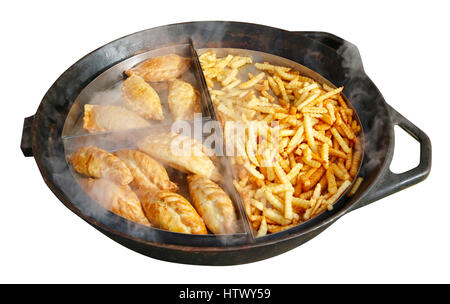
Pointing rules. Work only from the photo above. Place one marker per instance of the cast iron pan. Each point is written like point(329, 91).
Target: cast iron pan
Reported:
point(332, 57)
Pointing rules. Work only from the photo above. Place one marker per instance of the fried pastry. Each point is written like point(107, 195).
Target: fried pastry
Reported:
point(102, 118)
point(180, 152)
point(119, 199)
point(148, 174)
point(95, 162)
point(171, 211)
point(141, 98)
point(183, 99)
point(161, 68)
point(213, 204)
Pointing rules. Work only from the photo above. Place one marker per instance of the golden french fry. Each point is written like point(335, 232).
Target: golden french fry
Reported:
point(348, 132)
point(281, 88)
point(300, 203)
point(322, 138)
point(306, 195)
point(262, 228)
point(283, 74)
point(268, 96)
point(253, 171)
point(238, 61)
point(294, 84)
point(262, 87)
point(330, 109)
point(273, 86)
point(252, 82)
point(327, 87)
point(230, 77)
point(329, 94)
point(339, 139)
point(356, 159)
point(314, 178)
point(271, 68)
point(324, 182)
point(288, 204)
point(324, 153)
point(292, 160)
point(307, 214)
point(341, 165)
point(308, 88)
point(332, 187)
point(276, 216)
point(277, 188)
point(294, 171)
point(281, 174)
point(309, 132)
point(273, 200)
point(232, 85)
point(307, 101)
point(338, 193)
point(340, 172)
point(338, 153)
point(355, 187)
point(287, 132)
point(222, 63)
point(317, 206)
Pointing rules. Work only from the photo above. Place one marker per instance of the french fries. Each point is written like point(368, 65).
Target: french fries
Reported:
point(309, 152)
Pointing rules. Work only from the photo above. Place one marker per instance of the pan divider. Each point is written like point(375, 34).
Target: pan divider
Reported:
point(206, 102)
point(227, 171)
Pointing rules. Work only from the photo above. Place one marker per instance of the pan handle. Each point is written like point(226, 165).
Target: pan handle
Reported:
point(392, 182)
point(27, 136)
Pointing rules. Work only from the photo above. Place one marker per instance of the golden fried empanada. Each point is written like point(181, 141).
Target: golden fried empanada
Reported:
point(141, 98)
point(183, 100)
point(213, 204)
point(171, 211)
point(180, 152)
point(119, 199)
point(148, 174)
point(95, 162)
point(102, 118)
point(161, 68)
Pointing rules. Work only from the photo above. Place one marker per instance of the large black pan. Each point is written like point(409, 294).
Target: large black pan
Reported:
point(332, 57)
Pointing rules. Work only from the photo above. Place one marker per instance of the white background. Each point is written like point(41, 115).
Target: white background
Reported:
point(402, 238)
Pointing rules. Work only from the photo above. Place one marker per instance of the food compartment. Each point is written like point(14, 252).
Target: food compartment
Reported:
point(124, 93)
point(266, 103)
point(178, 209)
point(177, 172)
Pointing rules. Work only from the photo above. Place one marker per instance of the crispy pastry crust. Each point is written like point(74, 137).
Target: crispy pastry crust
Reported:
point(161, 68)
point(141, 98)
point(103, 118)
point(148, 174)
point(119, 199)
point(95, 162)
point(171, 211)
point(181, 152)
point(213, 205)
point(183, 100)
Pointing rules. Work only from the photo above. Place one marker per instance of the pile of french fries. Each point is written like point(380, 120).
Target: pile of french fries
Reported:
point(300, 150)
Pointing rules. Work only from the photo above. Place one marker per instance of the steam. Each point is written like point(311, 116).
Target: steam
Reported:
point(373, 117)
point(101, 92)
